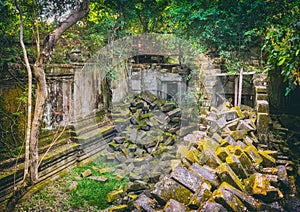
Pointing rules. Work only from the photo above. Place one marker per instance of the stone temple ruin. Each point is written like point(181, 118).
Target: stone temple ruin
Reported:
point(183, 146)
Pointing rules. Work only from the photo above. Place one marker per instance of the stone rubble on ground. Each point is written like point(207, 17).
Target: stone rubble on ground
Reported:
point(219, 168)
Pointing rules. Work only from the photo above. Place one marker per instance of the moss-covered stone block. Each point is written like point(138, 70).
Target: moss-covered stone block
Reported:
point(226, 174)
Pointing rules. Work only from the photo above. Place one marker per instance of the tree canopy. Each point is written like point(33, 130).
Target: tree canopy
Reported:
point(233, 29)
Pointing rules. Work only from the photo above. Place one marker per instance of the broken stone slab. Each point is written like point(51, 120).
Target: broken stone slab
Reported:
point(267, 160)
point(119, 156)
point(118, 208)
point(230, 140)
point(283, 176)
point(187, 129)
point(167, 189)
point(136, 185)
point(200, 196)
point(210, 206)
point(73, 186)
point(237, 167)
point(86, 173)
point(222, 153)
point(227, 199)
point(119, 140)
point(114, 195)
point(186, 178)
point(243, 125)
point(239, 112)
point(257, 183)
point(229, 115)
point(174, 113)
point(174, 206)
point(161, 118)
point(226, 174)
point(250, 202)
point(207, 173)
point(167, 107)
point(107, 170)
point(192, 155)
point(253, 154)
point(273, 194)
point(98, 178)
point(145, 203)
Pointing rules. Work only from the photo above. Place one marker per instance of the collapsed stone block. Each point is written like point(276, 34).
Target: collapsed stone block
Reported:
point(229, 115)
point(207, 173)
point(186, 178)
point(268, 161)
point(257, 184)
point(253, 154)
point(236, 166)
point(222, 153)
point(251, 203)
point(145, 203)
point(167, 189)
point(200, 196)
point(118, 208)
point(193, 155)
point(226, 174)
point(174, 206)
point(210, 206)
point(283, 176)
point(114, 195)
point(227, 199)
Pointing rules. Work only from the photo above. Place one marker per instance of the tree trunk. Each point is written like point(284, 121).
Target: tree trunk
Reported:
point(29, 96)
point(39, 73)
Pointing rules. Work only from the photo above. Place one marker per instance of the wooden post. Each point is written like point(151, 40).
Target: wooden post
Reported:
point(240, 87)
point(236, 90)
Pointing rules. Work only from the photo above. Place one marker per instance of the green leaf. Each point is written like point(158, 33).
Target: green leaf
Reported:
point(297, 52)
point(281, 61)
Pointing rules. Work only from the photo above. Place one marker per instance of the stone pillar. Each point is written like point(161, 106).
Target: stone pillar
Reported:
point(261, 107)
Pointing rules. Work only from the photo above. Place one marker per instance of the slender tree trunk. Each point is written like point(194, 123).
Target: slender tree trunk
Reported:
point(29, 96)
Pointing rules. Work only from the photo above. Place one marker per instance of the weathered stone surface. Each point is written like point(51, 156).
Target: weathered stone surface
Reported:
point(137, 185)
point(200, 196)
point(230, 115)
point(253, 154)
point(283, 176)
point(268, 161)
point(226, 174)
point(257, 184)
point(118, 208)
point(86, 173)
point(210, 206)
point(222, 153)
point(237, 167)
point(167, 189)
point(251, 203)
point(186, 178)
point(262, 106)
point(145, 203)
point(114, 195)
point(73, 186)
point(174, 206)
point(174, 113)
point(227, 199)
point(98, 178)
point(206, 173)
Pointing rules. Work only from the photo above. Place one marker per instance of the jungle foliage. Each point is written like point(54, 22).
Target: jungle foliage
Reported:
point(231, 29)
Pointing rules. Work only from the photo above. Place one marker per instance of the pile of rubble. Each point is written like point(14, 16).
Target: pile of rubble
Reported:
point(221, 168)
point(148, 130)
